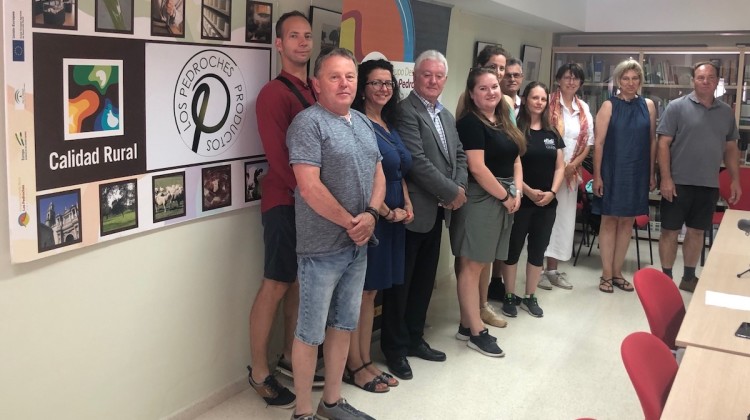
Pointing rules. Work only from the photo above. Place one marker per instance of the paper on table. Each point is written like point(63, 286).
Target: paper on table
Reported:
point(727, 300)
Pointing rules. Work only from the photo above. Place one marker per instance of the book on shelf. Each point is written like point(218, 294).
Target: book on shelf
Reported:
point(598, 70)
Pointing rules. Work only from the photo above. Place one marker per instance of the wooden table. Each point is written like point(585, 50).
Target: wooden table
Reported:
point(713, 327)
point(710, 385)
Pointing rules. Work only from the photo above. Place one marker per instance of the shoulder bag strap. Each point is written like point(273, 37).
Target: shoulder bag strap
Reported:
point(294, 90)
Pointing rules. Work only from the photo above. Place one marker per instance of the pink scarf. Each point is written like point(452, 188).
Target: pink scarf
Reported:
point(558, 121)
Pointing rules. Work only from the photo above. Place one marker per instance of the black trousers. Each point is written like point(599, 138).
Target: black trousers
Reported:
point(405, 306)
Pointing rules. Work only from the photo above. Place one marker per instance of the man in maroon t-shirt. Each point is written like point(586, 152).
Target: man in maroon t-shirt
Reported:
point(278, 103)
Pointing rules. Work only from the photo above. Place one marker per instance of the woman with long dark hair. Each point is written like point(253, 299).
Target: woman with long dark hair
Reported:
point(543, 170)
point(494, 58)
point(377, 97)
point(480, 230)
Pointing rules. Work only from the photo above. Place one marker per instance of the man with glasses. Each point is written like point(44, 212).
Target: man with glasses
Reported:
point(437, 184)
point(696, 132)
point(511, 82)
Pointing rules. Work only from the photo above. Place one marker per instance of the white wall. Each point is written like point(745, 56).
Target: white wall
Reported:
point(143, 327)
point(663, 16)
point(468, 28)
point(565, 12)
point(136, 328)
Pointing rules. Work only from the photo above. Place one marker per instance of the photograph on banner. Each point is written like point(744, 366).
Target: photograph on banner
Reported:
point(169, 196)
point(118, 207)
point(254, 173)
point(114, 16)
point(209, 101)
point(56, 14)
point(168, 18)
point(59, 221)
point(259, 22)
point(217, 187)
point(216, 19)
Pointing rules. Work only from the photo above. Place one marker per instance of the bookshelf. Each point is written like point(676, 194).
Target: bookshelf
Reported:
point(598, 67)
point(666, 76)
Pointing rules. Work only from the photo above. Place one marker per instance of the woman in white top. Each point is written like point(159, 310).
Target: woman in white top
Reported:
point(572, 119)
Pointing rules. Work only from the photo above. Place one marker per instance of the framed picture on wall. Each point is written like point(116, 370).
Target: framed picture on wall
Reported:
point(216, 21)
point(326, 29)
point(114, 16)
point(532, 58)
point(259, 18)
point(168, 18)
point(479, 46)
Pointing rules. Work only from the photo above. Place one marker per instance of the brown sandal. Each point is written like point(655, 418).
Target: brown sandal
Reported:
point(605, 285)
point(623, 285)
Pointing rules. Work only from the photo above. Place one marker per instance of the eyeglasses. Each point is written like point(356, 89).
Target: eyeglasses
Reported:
point(570, 78)
point(513, 76)
point(378, 84)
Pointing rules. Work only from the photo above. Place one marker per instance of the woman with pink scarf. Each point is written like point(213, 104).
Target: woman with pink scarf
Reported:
point(573, 120)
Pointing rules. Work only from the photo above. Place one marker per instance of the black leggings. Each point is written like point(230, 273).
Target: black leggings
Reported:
point(536, 222)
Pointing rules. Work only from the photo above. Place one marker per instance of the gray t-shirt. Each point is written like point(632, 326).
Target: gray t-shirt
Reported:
point(346, 153)
point(699, 139)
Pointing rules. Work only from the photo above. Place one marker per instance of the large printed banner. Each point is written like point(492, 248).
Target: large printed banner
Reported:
point(397, 30)
point(124, 116)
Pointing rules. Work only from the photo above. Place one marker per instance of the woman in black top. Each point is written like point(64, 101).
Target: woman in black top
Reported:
point(480, 230)
point(544, 171)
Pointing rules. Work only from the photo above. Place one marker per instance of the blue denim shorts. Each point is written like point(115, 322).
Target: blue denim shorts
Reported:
point(330, 293)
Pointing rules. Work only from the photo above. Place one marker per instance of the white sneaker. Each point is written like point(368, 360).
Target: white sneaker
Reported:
point(559, 279)
point(544, 281)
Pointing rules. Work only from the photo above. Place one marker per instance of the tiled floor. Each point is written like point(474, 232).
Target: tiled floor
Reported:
point(565, 365)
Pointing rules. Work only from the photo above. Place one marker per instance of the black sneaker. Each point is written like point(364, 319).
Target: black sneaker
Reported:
point(496, 290)
point(463, 333)
point(485, 344)
point(509, 306)
point(285, 368)
point(531, 306)
point(273, 393)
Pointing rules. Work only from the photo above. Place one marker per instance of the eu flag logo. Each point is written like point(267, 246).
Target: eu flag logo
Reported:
point(18, 50)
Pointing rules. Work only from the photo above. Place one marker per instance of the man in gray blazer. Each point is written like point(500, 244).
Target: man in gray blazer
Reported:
point(437, 184)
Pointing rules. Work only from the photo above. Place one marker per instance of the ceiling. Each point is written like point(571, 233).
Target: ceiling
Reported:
point(493, 9)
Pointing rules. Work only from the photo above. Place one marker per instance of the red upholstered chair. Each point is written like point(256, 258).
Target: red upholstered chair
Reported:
point(725, 191)
point(662, 303)
point(589, 221)
point(651, 368)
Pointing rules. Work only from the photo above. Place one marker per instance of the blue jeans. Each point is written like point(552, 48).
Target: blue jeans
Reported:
point(330, 293)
